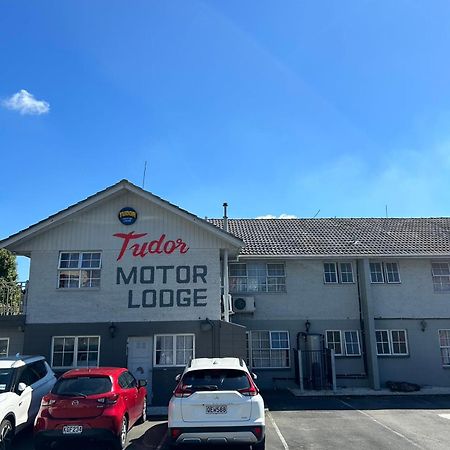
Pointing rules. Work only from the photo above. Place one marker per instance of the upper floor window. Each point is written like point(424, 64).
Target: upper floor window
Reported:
point(444, 344)
point(338, 272)
point(441, 276)
point(173, 349)
point(257, 277)
point(384, 272)
point(79, 269)
point(391, 342)
point(75, 351)
point(344, 343)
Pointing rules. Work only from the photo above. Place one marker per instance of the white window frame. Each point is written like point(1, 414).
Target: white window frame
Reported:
point(381, 271)
point(440, 283)
point(281, 283)
point(78, 269)
point(391, 342)
point(75, 351)
point(7, 346)
point(441, 347)
point(338, 272)
point(270, 349)
point(386, 272)
point(325, 272)
point(174, 348)
point(341, 271)
point(343, 342)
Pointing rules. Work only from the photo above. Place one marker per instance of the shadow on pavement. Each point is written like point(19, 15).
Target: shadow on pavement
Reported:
point(284, 400)
point(150, 439)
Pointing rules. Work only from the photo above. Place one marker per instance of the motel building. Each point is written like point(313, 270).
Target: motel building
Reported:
point(125, 278)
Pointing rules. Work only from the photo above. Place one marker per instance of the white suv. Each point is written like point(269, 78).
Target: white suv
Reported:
point(24, 380)
point(217, 402)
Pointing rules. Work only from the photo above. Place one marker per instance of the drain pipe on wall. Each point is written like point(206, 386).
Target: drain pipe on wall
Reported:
point(226, 305)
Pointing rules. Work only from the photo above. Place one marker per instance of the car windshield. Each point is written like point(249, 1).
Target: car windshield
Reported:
point(82, 386)
point(5, 380)
point(216, 379)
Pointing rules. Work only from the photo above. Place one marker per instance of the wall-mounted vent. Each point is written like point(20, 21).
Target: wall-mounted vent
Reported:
point(243, 304)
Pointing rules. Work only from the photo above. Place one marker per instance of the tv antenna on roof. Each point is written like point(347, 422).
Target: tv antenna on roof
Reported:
point(143, 178)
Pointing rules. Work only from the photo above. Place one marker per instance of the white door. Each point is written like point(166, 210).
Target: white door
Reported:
point(140, 361)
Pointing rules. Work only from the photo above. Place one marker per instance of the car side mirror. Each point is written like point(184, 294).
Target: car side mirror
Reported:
point(178, 377)
point(21, 387)
point(142, 383)
point(254, 376)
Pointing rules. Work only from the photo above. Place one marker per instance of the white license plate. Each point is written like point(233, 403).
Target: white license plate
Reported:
point(216, 409)
point(72, 429)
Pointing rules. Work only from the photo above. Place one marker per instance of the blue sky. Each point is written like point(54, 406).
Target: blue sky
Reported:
point(275, 107)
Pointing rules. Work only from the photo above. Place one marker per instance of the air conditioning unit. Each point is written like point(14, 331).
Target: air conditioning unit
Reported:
point(243, 304)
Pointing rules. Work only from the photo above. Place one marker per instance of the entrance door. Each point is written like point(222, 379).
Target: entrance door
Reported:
point(140, 360)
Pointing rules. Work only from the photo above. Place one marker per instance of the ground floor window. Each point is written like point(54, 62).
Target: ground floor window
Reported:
point(75, 351)
point(4, 346)
point(173, 349)
point(392, 342)
point(344, 343)
point(268, 349)
point(444, 343)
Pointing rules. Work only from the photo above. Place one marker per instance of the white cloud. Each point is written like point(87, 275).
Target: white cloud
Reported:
point(25, 103)
point(281, 216)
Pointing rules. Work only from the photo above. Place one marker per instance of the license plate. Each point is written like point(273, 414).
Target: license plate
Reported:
point(216, 409)
point(72, 429)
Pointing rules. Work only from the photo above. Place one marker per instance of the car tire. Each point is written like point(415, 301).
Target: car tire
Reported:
point(41, 445)
point(260, 445)
point(6, 434)
point(143, 417)
point(121, 441)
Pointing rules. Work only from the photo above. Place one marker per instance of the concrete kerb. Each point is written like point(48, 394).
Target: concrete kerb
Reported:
point(363, 392)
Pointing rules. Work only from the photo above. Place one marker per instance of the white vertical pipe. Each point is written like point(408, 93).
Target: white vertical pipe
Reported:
point(226, 287)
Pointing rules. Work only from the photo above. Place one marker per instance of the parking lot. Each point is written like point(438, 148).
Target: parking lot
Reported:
point(394, 422)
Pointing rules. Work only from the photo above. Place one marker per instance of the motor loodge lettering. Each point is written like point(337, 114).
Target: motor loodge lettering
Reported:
point(163, 275)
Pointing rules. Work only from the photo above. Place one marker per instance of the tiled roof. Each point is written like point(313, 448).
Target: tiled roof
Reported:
point(341, 237)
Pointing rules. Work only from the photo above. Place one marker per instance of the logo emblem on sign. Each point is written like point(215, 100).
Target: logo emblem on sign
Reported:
point(127, 215)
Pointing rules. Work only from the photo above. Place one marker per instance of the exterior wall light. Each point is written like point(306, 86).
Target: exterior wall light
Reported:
point(307, 325)
point(423, 325)
point(112, 329)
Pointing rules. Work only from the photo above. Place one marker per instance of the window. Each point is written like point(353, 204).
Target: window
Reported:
point(173, 349)
point(344, 343)
point(384, 272)
point(391, 342)
point(79, 270)
point(4, 346)
point(441, 276)
point(342, 275)
point(75, 351)
point(257, 277)
point(376, 272)
point(444, 344)
point(127, 381)
point(269, 349)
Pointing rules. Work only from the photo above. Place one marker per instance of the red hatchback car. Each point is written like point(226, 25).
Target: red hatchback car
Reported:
point(99, 404)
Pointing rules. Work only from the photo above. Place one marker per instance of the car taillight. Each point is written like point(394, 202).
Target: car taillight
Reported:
point(251, 391)
point(110, 400)
point(47, 401)
point(175, 433)
point(257, 431)
point(182, 391)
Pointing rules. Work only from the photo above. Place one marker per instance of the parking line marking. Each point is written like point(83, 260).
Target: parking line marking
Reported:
point(444, 416)
point(283, 441)
point(381, 424)
point(163, 442)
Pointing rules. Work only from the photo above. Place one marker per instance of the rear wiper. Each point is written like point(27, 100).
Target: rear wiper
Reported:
point(73, 394)
point(205, 387)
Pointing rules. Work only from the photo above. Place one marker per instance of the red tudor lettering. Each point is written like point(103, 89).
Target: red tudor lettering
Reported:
point(157, 246)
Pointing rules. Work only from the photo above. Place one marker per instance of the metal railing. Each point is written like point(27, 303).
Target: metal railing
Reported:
point(13, 298)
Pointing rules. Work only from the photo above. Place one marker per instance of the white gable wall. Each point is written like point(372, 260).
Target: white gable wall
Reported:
point(93, 230)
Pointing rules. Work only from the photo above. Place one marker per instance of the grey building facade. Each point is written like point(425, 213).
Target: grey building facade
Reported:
point(124, 278)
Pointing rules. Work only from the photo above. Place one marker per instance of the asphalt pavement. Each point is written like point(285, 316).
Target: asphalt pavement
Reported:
point(294, 423)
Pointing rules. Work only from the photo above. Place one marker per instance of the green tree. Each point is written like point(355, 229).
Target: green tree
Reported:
point(8, 268)
point(10, 291)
